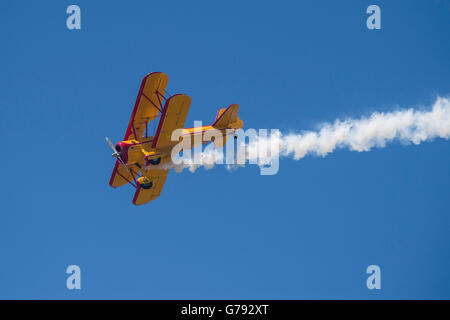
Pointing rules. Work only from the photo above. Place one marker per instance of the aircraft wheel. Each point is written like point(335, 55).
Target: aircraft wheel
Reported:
point(144, 183)
point(155, 161)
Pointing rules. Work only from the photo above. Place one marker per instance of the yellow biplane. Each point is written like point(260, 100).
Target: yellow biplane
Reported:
point(140, 157)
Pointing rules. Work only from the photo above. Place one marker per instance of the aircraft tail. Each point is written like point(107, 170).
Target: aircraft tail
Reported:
point(228, 118)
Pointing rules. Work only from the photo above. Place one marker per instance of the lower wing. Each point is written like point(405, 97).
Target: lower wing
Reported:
point(120, 176)
point(157, 178)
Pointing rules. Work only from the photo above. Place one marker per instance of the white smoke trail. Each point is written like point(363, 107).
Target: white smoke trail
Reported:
point(407, 126)
point(377, 130)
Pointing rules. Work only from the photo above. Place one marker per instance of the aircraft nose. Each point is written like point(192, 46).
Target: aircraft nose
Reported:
point(119, 149)
point(122, 149)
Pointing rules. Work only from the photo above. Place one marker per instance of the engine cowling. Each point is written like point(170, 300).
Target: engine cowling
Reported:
point(122, 147)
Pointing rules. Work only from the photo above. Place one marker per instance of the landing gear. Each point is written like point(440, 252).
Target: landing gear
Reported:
point(154, 162)
point(144, 183)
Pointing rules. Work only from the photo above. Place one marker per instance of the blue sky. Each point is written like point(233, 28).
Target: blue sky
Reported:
point(308, 232)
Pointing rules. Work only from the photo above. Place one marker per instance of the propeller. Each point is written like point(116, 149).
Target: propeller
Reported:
point(116, 153)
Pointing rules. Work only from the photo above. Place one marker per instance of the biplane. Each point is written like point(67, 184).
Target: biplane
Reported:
point(141, 156)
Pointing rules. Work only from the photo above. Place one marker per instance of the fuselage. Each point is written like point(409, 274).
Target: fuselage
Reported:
point(142, 153)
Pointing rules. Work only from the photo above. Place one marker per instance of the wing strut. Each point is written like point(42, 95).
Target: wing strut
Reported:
point(134, 175)
point(157, 95)
point(127, 179)
point(149, 100)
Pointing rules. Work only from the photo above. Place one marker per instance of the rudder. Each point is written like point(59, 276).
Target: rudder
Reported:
point(227, 116)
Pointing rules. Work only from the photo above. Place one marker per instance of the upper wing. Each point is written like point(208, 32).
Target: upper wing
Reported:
point(148, 104)
point(121, 176)
point(158, 178)
point(173, 117)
